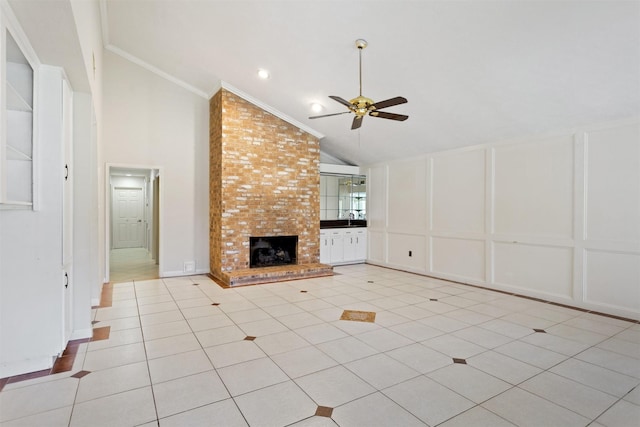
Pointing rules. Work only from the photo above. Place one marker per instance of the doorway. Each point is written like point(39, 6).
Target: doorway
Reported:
point(133, 223)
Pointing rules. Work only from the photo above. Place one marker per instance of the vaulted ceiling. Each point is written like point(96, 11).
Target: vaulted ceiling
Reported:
point(473, 71)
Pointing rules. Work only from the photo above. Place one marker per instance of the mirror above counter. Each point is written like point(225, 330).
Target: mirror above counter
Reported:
point(343, 199)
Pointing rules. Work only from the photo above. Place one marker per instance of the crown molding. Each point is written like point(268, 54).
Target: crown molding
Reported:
point(268, 108)
point(18, 34)
point(104, 21)
point(155, 70)
point(219, 85)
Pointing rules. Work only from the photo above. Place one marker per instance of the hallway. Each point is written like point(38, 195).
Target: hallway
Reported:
point(130, 264)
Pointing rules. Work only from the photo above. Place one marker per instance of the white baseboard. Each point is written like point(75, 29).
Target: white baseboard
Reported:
point(179, 273)
point(175, 273)
point(81, 334)
point(502, 287)
point(25, 366)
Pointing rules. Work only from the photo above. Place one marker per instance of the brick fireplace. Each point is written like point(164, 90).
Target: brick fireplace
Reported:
point(264, 181)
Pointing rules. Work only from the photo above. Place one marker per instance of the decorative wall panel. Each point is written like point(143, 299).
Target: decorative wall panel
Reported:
point(534, 188)
point(541, 269)
point(407, 204)
point(458, 258)
point(458, 191)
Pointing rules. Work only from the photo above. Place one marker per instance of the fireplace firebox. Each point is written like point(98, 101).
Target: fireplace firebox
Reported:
point(267, 251)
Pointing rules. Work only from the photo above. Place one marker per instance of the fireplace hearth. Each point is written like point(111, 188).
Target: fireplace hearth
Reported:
point(269, 251)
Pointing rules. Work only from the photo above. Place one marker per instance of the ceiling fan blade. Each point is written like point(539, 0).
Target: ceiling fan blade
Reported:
point(341, 101)
point(392, 116)
point(357, 122)
point(388, 103)
point(329, 115)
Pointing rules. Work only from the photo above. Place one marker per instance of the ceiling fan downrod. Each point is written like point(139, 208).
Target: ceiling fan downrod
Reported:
point(360, 44)
point(361, 105)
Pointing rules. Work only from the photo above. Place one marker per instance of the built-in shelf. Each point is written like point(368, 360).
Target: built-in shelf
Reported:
point(15, 154)
point(16, 136)
point(15, 101)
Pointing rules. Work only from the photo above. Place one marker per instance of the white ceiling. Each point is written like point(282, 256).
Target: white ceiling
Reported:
point(473, 71)
point(51, 30)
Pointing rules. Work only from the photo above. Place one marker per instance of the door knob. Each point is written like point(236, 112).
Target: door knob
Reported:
point(139, 220)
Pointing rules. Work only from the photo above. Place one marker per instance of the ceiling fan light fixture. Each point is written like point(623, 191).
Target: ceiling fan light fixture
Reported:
point(316, 107)
point(263, 74)
point(362, 106)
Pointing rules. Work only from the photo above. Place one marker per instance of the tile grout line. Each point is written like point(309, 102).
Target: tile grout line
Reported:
point(144, 346)
point(553, 323)
point(107, 294)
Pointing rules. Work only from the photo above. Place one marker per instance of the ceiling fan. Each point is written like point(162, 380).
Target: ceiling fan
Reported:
point(362, 106)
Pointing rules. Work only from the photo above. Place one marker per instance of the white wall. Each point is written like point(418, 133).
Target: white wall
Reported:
point(554, 217)
point(149, 121)
point(86, 14)
point(85, 214)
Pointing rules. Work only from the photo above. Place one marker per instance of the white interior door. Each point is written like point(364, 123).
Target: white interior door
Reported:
point(128, 230)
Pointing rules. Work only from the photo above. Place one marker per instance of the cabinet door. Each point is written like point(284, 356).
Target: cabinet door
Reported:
point(67, 313)
point(67, 182)
point(337, 247)
point(361, 244)
point(349, 245)
point(325, 248)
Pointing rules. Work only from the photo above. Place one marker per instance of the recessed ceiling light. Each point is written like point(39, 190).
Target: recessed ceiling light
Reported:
point(316, 108)
point(263, 74)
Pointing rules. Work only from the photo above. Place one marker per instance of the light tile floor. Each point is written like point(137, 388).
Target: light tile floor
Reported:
point(131, 264)
point(174, 359)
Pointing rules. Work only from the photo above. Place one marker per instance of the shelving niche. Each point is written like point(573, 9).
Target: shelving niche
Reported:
point(16, 162)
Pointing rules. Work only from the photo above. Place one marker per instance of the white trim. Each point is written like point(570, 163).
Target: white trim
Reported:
point(155, 70)
point(521, 292)
point(216, 88)
point(26, 365)
point(175, 273)
point(104, 22)
point(107, 212)
point(219, 85)
point(19, 35)
point(533, 138)
point(81, 333)
point(340, 169)
point(268, 108)
point(180, 273)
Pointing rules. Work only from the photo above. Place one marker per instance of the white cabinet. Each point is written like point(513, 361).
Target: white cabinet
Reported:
point(325, 247)
point(337, 247)
point(343, 245)
point(355, 244)
point(17, 78)
point(361, 244)
point(349, 245)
